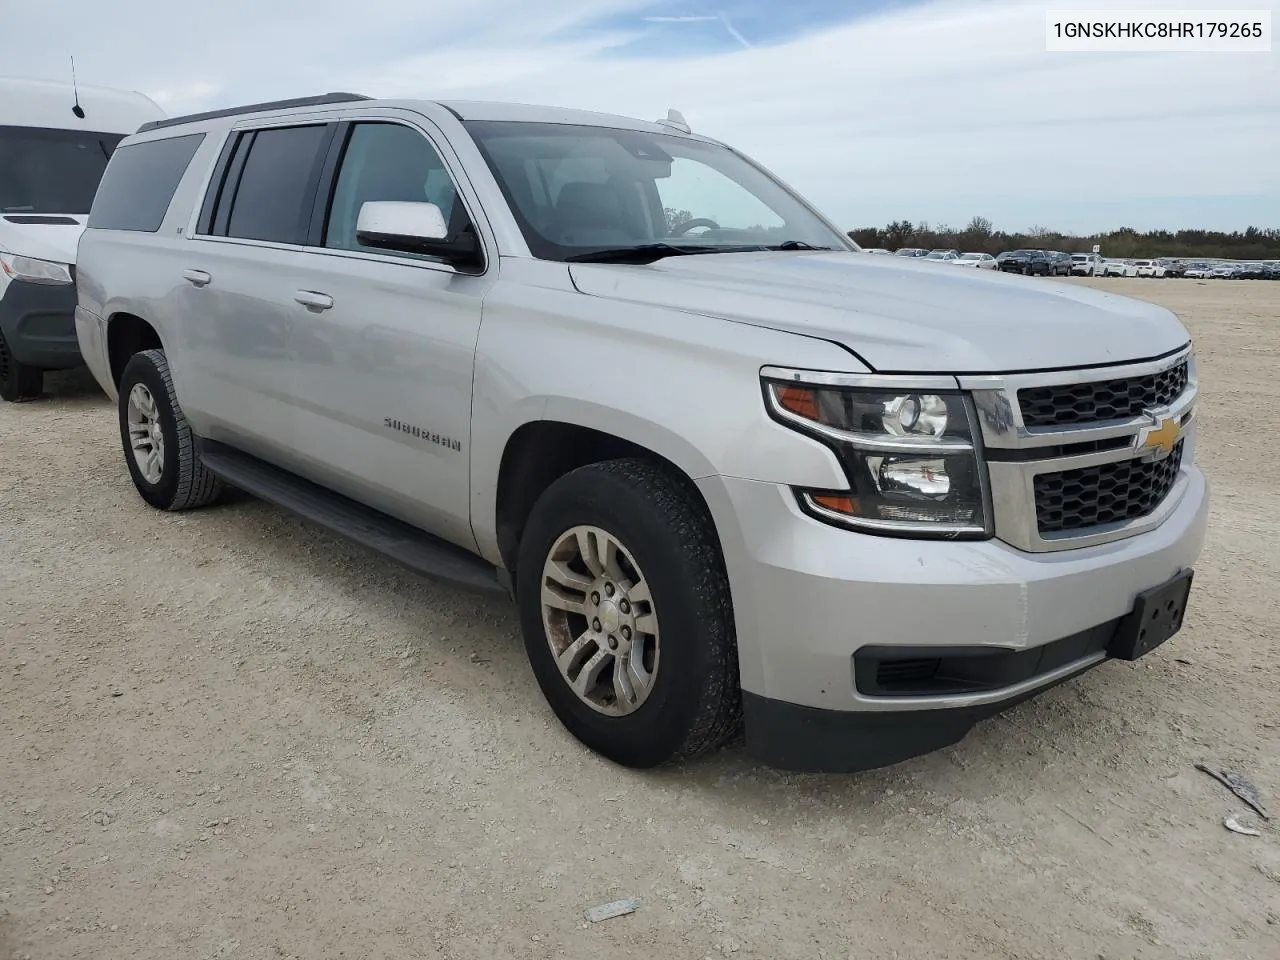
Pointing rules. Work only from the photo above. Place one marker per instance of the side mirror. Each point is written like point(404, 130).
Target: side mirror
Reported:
point(415, 227)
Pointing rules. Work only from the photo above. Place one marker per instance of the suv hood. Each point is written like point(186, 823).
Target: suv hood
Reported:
point(43, 236)
point(900, 316)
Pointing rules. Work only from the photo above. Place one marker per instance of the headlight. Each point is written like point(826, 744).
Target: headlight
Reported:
point(34, 271)
point(910, 457)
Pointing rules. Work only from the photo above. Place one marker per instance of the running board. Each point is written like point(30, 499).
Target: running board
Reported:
point(416, 549)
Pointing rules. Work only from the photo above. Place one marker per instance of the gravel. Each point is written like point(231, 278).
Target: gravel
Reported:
point(373, 772)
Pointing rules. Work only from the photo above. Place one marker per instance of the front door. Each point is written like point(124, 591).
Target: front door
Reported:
point(382, 344)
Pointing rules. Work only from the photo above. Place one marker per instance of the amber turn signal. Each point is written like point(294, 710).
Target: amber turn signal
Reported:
point(835, 502)
point(801, 401)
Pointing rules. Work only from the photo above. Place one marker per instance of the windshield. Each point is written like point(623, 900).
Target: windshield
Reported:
point(577, 189)
point(51, 171)
point(972, 256)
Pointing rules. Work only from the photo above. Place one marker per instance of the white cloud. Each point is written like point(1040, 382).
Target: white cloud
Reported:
point(935, 111)
point(186, 96)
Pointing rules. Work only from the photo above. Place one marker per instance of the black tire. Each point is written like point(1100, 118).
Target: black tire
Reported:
point(18, 382)
point(695, 704)
point(184, 482)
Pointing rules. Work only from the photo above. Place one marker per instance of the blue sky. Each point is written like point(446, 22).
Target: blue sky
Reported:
point(681, 28)
point(933, 110)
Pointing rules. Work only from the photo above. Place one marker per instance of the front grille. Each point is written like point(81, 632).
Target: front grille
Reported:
point(1102, 400)
point(1110, 493)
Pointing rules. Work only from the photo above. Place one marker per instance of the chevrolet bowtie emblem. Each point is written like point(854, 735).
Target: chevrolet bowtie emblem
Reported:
point(1158, 440)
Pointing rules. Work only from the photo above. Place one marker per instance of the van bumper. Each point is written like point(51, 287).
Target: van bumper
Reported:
point(859, 651)
point(38, 323)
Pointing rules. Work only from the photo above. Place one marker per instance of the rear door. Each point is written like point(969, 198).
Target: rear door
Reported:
point(383, 353)
point(239, 283)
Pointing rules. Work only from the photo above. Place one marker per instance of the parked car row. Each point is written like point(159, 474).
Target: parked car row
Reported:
point(1249, 270)
point(1194, 269)
point(1053, 263)
point(1033, 263)
point(975, 261)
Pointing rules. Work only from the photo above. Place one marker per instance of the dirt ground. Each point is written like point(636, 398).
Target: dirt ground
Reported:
point(226, 734)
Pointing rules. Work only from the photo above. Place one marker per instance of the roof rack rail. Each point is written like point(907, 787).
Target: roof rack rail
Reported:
point(316, 101)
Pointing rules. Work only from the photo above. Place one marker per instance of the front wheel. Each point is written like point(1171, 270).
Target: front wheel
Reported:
point(626, 613)
point(159, 447)
point(18, 382)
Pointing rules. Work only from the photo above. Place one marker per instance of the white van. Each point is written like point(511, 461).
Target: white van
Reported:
point(54, 146)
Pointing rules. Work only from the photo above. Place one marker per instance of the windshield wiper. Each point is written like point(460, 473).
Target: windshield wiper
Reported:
point(649, 252)
point(642, 253)
point(795, 245)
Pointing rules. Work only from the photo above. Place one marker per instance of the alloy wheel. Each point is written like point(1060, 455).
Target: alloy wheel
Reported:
point(600, 621)
point(146, 435)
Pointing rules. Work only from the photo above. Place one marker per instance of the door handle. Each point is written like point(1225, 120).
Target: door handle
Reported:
point(197, 278)
point(313, 300)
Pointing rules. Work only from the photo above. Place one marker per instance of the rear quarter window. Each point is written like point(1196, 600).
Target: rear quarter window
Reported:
point(139, 183)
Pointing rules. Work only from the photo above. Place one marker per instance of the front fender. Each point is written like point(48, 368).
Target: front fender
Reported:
point(685, 386)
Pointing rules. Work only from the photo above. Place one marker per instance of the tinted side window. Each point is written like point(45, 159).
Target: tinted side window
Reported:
point(140, 182)
point(273, 198)
point(386, 161)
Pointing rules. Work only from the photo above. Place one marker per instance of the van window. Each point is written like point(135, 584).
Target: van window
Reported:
point(273, 198)
point(51, 171)
point(140, 182)
point(387, 161)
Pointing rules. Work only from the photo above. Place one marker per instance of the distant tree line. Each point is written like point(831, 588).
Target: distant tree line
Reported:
point(979, 236)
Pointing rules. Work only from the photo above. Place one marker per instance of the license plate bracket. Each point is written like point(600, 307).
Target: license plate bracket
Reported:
point(1156, 616)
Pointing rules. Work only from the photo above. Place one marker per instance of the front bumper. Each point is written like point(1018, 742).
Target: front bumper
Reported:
point(38, 323)
point(808, 597)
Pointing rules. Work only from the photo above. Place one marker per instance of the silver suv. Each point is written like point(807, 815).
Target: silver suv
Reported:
point(728, 468)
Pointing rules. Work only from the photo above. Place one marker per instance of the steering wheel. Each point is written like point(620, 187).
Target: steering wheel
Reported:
point(688, 225)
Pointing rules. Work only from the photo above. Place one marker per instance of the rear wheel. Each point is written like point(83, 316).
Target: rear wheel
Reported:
point(626, 614)
point(159, 447)
point(18, 382)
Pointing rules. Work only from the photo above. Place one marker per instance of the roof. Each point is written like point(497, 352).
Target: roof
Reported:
point(47, 103)
point(324, 99)
point(462, 109)
point(528, 113)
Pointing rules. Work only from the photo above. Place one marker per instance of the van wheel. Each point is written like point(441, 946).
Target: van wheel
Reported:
point(158, 445)
point(626, 614)
point(18, 382)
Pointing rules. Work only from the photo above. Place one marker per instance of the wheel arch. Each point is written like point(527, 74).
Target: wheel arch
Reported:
point(128, 334)
point(539, 452)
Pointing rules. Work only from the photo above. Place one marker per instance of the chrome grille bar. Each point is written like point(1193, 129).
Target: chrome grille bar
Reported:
point(1005, 435)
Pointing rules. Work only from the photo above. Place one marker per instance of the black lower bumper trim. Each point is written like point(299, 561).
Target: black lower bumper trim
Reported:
point(38, 321)
point(931, 671)
point(800, 739)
